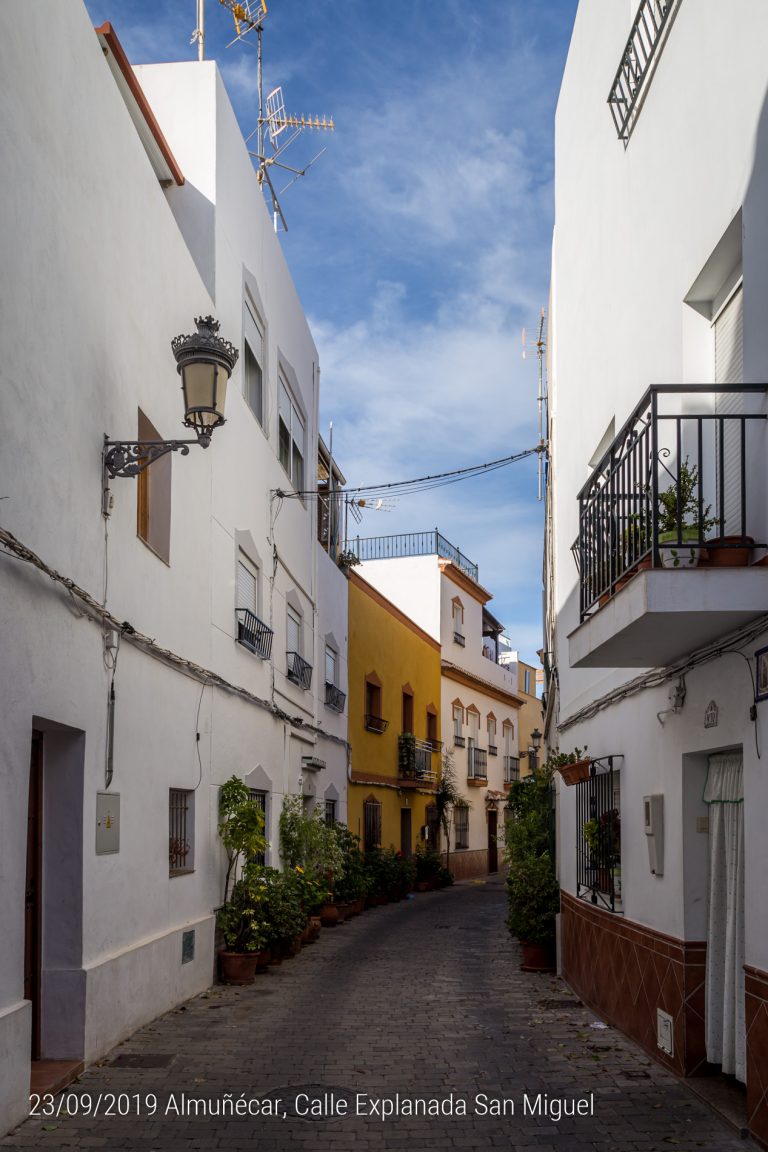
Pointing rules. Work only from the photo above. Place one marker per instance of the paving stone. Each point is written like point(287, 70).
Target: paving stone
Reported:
point(423, 999)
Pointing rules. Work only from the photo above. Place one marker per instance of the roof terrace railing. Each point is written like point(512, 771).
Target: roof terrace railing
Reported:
point(431, 543)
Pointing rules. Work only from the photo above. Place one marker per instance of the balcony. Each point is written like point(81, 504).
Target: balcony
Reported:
point(253, 634)
point(299, 671)
point(375, 724)
point(414, 760)
point(668, 523)
point(477, 765)
point(493, 750)
point(511, 769)
point(631, 80)
point(458, 741)
point(334, 697)
point(459, 639)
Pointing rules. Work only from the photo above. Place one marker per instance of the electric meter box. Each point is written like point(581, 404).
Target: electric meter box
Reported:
point(654, 830)
point(107, 823)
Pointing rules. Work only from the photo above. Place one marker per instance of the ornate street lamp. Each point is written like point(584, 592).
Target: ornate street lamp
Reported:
point(533, 751)
point(205, 362)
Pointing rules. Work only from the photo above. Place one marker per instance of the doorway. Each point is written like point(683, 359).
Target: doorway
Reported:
point(493, 848)
point(33, 894)
point(405, 831)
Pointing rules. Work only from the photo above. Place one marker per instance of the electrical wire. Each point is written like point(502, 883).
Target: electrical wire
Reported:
point(420, 483)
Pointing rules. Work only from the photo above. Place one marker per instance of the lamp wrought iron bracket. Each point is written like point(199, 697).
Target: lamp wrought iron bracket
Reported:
point(130, 457)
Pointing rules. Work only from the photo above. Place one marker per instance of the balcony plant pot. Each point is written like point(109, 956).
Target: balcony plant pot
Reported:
point(738, 555)
point(537, 957)
point(238, 967)
point(684, 555)
point(329, 915)
point(575, 773)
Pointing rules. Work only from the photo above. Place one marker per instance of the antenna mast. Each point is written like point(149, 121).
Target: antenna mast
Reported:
point(199, 32)
point(541, 347)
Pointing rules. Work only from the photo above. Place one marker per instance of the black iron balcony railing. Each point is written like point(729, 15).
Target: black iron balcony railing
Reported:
point(511, 769)
point(411, 544)
point(598, 839)
point(253, 634)
point(299, 671)
point(493, 750)
point(334, 697)
point(415, 759)
point(641, 48)
point(684, 475)
point(477, 764)
point(459, 639)
point(458, 741)
point(376, 723)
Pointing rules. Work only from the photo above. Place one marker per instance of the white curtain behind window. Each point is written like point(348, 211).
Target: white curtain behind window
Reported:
point(724, 1011)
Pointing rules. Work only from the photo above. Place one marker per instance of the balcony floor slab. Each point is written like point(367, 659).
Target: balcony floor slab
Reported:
point(663, 614)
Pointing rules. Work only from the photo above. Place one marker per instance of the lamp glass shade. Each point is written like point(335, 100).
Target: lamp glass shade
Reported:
point(536, 739)
point(205, 389)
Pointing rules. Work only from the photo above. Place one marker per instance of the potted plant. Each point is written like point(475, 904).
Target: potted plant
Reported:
point(308, 842)
point(680, 527)
point(533, 894)
point(241, 828)
point(573, 767)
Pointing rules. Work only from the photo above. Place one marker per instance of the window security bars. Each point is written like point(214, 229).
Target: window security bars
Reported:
point(458, 741)
point(259, 798)
point(461, 826)
point(179, 843)
point(477, 764)
point(639, 52)
point(412, 544)
point(334, 697)
point(598, 839)
point(493, 750)
point(299, 671)
point(330, 813)
point(376, 723)
point(253, 634)
point(511, 769)
point(371, 824)
point(695, 470)
point(415, 759)
point(459, 639)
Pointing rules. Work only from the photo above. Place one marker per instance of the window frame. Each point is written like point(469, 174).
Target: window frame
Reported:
point(181, 831)
point(295, 416)
point(154, 496)
point(252, 318)
point(461, 831)
point(371, 824)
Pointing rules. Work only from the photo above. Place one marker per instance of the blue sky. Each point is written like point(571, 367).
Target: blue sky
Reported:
point(419, 242)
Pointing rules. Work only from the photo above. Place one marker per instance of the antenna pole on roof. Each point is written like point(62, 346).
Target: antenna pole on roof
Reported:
point(199, 32)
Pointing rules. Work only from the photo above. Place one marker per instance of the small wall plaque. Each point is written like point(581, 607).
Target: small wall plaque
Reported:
point(710, 715)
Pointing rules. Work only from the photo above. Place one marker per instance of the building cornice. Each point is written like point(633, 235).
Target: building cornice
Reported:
point(454, 573)
point(470, 680)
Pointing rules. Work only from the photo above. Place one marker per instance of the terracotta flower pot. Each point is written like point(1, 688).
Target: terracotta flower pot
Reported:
point(537, 957)
point(575, 773)
point(329, 915)
point(737, 555)
point(238, 967)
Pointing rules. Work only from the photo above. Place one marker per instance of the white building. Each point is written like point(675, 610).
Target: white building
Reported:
point(659, 289)
point(434, 584)
point(123, 215)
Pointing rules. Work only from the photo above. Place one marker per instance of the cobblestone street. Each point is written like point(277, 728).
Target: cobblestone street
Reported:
point(422, 999)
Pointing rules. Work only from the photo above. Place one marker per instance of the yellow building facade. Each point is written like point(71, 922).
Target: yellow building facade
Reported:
point(531, 715)
point(394, 722)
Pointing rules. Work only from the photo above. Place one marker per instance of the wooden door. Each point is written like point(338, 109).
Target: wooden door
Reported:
point(493, 850)
point(33, 890)
point(405, 831)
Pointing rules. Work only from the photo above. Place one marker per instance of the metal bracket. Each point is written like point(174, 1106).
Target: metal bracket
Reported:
point(130, 457)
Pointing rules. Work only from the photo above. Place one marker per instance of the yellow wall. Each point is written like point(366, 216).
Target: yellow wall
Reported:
point(530, 716)
point(384, 643)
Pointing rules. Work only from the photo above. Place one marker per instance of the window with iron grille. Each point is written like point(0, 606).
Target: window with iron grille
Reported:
point(461, 826)
point(371, 824)
point(598, 841)
point(181, 830)
point(433, 827)
point(261, 799)
point(330, 812)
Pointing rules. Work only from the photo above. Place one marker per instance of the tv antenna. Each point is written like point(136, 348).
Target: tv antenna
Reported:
point(540, 345)
point(276, 130)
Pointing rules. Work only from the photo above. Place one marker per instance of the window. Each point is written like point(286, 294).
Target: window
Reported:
point(181, 828)
point(473, 720)
point(261, 799)
point(407, 712)
point(461, 826)
point(458, 622)
point(458, 723)
point(334, 697)
point(293, 627)
point(290, 437)
point(432, 729)
point(492, 749)
point(527, 681)
point(330, 812)
point(433, 827)
point(153, 511)
point(251, 632)
point(371, 824)
point(253, 360)
point(331, 665)
point(373, 718)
